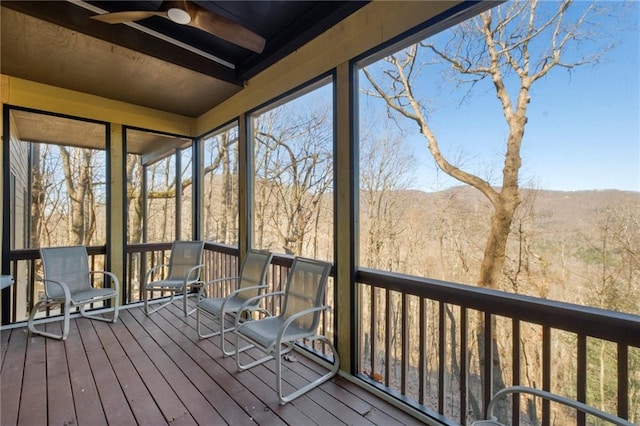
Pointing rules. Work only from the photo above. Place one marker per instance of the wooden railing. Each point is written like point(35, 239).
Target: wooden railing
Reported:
point(424, 342)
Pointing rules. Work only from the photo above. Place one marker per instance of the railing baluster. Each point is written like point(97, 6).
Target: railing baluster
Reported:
point(405, 344)
point(488, 360)
point(374, 338)
point(422, 345)
point(546, 373)
point(581, 374)
point(515, 360)
point(387, 339)
point(442, 355)
point(623, 380)
point(464, 364)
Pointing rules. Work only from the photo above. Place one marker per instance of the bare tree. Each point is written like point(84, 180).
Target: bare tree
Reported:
point(513, 45)
point(221, 198)
point(134, 198)
point(294, 172)
point(385, 164)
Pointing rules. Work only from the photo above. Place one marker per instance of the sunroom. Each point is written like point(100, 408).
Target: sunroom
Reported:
point(125, 137)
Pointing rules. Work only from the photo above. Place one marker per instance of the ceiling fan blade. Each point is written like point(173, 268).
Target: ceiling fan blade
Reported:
point(130, 16)
point(224, 28)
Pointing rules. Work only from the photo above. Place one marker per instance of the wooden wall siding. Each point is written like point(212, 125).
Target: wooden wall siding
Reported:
point(20, 170)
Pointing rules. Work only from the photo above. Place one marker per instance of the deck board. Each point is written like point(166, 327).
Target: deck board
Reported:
point(155, 370)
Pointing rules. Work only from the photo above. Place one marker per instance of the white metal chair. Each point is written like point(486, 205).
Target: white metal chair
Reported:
point(182, 274)
point(275, 336)
point(67, 282)
point(493, 421)
point(250, 283)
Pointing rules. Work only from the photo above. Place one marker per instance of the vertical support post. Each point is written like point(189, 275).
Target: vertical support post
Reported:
point(345, 172)
point(178, 203)
point(197, 213)
point(5, 301)
point(116, 202)
point(245, 184)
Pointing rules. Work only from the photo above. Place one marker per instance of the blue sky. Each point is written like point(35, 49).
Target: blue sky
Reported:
point(583, 129)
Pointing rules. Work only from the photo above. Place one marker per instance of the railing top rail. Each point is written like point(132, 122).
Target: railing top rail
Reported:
point(590, 321)
point(34, 253)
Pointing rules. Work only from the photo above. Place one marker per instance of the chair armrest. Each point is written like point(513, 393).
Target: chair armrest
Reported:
point(192, 271)
point(580, 406)
point(152, 270)
point(65, 289)
point(251, 301)
point(240, 290)
point(112, 276)
point(297, 315)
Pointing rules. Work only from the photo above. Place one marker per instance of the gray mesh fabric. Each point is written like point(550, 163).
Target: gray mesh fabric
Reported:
point(184, 256)
point(65, 264)
point(305, 289)
point(252, 273)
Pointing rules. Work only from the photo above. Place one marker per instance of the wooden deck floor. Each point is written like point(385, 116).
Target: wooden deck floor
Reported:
point(155, 371)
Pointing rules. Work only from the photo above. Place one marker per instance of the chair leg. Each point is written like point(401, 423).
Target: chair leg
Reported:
point(223, 341)
point(187, 311)
point(220, 332)
point(148, 311)
point(239, 349)
point(65, 328)
point(202, 335)
point(113, 319)
point(306, 388)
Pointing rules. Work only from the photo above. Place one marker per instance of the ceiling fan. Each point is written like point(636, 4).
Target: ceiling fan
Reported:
point(188, 13)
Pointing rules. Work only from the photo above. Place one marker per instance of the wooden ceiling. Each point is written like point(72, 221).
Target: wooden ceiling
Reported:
point(188, 71)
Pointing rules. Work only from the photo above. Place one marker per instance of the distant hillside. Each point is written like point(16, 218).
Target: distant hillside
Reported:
point(555, 209)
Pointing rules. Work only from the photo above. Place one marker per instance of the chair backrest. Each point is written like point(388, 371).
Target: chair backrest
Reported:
point(305, 288)
point(66, 264)
point(184, 256)
point(253, 272)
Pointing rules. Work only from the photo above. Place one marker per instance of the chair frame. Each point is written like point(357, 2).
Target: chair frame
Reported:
point(191, 280)
point(220, 316)
point(281, 344)
point(579, 406)
point(67, 300)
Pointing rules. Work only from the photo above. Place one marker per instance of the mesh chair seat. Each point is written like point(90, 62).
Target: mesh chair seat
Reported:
point(67, 282)
point(299, 318)
point(265, 332)
point(166, 284)
point(87, 296)
point(249, 283)
point(182, 274)
point(213, 306)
